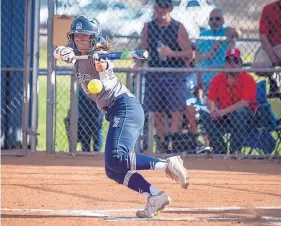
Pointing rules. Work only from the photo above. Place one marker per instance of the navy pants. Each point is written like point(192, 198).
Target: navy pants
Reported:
point(126, 119)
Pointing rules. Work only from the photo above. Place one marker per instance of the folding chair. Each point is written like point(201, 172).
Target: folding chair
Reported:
point(261, 139)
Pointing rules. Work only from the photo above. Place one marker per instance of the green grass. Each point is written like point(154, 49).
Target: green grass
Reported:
point(63, 103)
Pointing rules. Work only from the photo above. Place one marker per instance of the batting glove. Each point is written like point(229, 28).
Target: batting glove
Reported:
point(96, 57)
point(67, 54)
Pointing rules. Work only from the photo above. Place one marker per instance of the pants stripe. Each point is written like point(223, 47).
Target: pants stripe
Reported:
point(132, 160)
point(127, 177)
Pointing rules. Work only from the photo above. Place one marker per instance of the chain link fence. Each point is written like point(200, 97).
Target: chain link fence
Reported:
point(13, 49)
point(177, 98)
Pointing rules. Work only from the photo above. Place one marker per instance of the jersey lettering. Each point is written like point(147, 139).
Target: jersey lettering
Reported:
point(83, 77)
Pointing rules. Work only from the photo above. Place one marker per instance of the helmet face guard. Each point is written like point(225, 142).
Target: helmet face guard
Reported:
point(82, 25)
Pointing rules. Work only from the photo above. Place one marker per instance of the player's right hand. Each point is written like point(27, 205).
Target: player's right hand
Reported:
point(67, 54)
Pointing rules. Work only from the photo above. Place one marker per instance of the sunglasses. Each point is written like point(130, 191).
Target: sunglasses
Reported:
point(234, 59)
point(217, 18)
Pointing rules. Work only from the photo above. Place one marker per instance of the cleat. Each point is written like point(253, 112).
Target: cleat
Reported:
point(155, 204)
point(176, 171)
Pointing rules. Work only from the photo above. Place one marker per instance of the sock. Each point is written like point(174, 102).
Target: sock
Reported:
point(144, 162)
point(160, 165)
point(136, 182)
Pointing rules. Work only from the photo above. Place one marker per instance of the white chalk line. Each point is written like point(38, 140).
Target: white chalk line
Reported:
point(189, 219)
point(210, 209)
point(89, 213)
point(99, 214)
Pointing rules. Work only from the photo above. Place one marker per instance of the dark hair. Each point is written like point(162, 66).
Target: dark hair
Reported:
point(164, 3)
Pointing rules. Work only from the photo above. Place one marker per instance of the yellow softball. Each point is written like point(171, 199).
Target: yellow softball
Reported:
point(95, 86)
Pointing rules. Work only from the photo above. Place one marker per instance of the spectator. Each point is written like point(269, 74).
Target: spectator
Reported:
point(231, 102)
point(194, 102)
point(269, 54)
point(90, 120)
point(169, 46)
point(194, 93)
point(211, 53)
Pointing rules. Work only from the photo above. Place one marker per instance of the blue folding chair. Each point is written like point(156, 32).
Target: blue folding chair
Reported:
point(261, 139)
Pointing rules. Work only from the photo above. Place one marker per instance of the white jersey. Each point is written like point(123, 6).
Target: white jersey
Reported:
point(85, 71)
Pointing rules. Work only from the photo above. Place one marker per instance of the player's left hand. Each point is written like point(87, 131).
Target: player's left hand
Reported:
point(166, 51)
point(100, 64)
point(217, 113)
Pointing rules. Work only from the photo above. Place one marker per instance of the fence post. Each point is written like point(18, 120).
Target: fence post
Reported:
point(73, 114)
point(26, 96)
point(50, 82)
point(150, 131)
point(34, 113)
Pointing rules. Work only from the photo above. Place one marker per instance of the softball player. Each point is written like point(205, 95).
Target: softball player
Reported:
point(126, 117)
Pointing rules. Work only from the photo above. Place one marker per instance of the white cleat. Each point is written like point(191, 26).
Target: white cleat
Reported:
point(176, 171)
point(155, 204)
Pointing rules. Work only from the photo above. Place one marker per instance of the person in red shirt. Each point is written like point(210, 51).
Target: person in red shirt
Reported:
point(231, 103)
point(269, 54)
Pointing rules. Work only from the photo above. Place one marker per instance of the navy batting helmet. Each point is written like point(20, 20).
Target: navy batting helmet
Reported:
point(83, 25)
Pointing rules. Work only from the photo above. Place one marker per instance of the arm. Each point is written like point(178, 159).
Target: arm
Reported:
point(210, 54)
point(231, 33)
point(102, 65)
point(264, 29)
point(204, 56)
point(269, 49)
point(212, 94)
point(218, 113)
point(184, 43)
point(211, 105)
point(234, 107)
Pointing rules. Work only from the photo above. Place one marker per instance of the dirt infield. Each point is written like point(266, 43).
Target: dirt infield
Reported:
point(63, 190)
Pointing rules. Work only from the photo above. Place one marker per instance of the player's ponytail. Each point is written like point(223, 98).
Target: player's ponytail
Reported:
point(103, 45)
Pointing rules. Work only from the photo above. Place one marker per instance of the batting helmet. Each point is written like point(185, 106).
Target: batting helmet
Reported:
point(83, 25)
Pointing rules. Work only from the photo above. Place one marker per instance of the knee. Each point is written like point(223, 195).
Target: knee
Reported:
point(241, 116)
point(190, 111)
point(242, 113)
point(159, 116)
point(257, 65)
point(116, 163)
point(117, 177)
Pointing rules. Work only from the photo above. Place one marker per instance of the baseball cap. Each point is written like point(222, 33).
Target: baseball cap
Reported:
point(233, 52)
point(164, 3)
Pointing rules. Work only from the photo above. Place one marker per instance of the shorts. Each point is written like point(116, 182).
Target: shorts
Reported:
point(262, 59)
point(165, 92)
